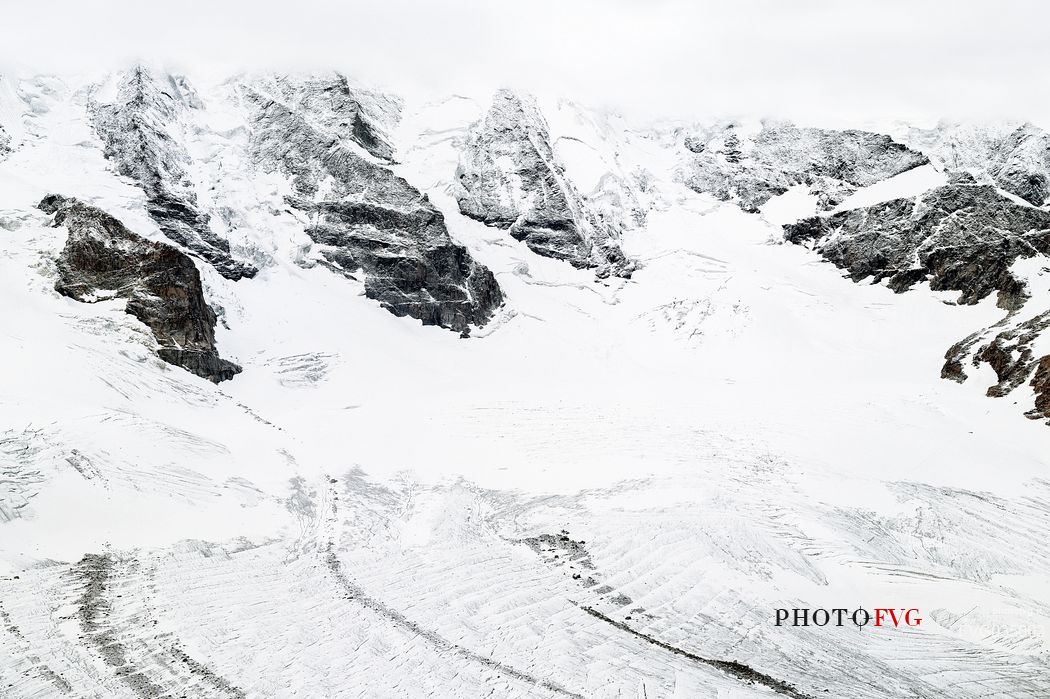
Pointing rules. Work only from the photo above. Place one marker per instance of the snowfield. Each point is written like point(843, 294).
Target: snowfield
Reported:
point(607, 491)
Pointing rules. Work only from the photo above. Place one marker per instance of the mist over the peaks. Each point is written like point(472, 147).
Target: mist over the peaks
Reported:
point(810, 60)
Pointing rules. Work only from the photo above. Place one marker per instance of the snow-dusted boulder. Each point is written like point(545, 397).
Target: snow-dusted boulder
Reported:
point(144, 130)
point(366, 220)
point(508, 177)
point(103, 259)
point(750, 168)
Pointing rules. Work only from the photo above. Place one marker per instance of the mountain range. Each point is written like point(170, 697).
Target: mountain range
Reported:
point(315, 390)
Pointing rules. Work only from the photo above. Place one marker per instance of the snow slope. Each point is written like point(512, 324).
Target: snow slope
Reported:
point(606, 491)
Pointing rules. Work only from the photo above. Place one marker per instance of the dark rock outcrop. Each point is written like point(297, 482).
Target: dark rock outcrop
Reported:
point(1008, 348)
point(103, 259)
point(752, 170)
point(508, 177)
point(365, 218)
point(960, 237)
point(140, 134)
point(1009, 351)
point(5, 142)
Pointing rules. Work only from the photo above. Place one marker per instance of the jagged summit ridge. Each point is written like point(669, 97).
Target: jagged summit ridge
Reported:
point(144, 133)
point(366, 220)
point(508, 177)
point(749, 168)
point(102, 259)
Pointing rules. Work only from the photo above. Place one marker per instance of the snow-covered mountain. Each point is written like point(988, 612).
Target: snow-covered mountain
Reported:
point(315, 390)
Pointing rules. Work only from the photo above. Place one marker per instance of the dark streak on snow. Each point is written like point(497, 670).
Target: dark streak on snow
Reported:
point(200, 670)
point(95, 573)
point(358, 595)
point(730, 667)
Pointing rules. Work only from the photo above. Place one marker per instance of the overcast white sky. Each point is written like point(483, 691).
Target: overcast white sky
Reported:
point(807, 59)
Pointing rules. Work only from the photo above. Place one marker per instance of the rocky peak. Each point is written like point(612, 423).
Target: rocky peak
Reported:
point(1014, 157)
point(1024, 169)
point(508, 177)
point(102, 259)
point(750, 168)
point(351, 114)
point(368, 222)
point(143, 134)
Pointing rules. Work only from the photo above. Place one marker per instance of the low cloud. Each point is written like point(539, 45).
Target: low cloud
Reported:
point(817, 61)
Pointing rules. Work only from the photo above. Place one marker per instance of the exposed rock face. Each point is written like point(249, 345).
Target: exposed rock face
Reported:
point(961, 237)
point(750, 170)
point(365, 218)
point(141, 134)
point(103, 259)
point(1015, 158)
point(508, 177)
point(5, 142)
